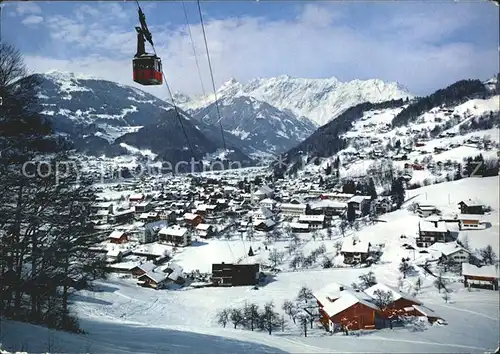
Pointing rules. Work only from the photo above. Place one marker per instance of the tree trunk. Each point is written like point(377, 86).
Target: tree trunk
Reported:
point(18, 254)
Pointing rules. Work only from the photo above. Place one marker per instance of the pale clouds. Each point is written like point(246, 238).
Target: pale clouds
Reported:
point(412, 48)
point(32, 20)
point(27, 8)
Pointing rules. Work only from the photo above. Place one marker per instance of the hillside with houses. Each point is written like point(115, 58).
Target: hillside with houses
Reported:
point(293, 258)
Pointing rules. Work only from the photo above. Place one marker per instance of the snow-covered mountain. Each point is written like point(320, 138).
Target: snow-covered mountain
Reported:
point(104, 117)
point(320, 100)
point(260, 126)
point(459, 121)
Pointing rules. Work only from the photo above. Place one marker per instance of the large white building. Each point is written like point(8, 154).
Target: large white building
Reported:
point(289, 209)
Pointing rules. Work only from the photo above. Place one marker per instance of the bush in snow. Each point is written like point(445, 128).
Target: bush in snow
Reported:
point(327, 263)
point(413, 207)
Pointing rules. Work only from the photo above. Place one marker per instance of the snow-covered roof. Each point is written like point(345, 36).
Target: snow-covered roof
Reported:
point(352, 246)
point(203, 227)
point(358, 198)
point(146, 267)
point(142, 204)
point(154, 249)
point(327, 203)
point(489, 271)
point(123, 212)
point(347, 299)
point(157, 277)
point(476, 217)
point(173, 231)
point(426, 207)
point(190, 216)
point(265, 189)
point(293, 206)
point(176, 271)
point(310, 218)
point(329, 293)
point(426, 311)
point(267, 222)
point(263, 211)
point(472, 202)
point(115, 252)
point(428, 226)
point(396, 294)
point(447, 248)
point(137, 196)
point(116, 234)
point(433, 218)
point(298, 225)
point(268, 201)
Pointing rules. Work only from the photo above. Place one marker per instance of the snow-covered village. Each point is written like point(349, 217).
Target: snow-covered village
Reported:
point(277, 214)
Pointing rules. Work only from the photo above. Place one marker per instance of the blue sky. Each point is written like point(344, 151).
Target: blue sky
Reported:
point(423, 45)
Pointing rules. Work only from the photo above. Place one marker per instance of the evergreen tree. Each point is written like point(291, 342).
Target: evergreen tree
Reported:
point(458, 172)
point(351, 213)
point(398, 192)
point(349, 187)
point(371, 190)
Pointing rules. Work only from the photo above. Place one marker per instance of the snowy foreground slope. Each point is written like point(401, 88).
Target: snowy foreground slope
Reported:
point(122, 317)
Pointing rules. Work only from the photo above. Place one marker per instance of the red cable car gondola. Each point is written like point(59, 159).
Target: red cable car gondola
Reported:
point(147, 67)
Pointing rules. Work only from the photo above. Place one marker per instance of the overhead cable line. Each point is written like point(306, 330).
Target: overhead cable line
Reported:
point(211, 74)
point(194, 47)
point(150, 40)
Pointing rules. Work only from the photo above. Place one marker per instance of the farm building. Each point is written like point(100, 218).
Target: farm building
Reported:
point(401, 304)
point(118, 237)
point(427, 210)
point(341, 306)
point(485, 276)
point(355, 251)
point(431, 232)
point(471, 207)
point(227, 274)
point(470, 221)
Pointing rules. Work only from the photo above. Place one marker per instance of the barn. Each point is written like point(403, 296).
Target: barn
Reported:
point(402, 304)
point(485, 276)
point(344, 307)
point(118, 237)
point(352, 310)
point(227, 274)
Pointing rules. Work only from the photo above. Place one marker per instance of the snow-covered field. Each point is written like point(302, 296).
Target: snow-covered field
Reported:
point(122, 317)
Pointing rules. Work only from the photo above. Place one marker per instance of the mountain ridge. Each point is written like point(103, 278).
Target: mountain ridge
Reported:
point(319, 100)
